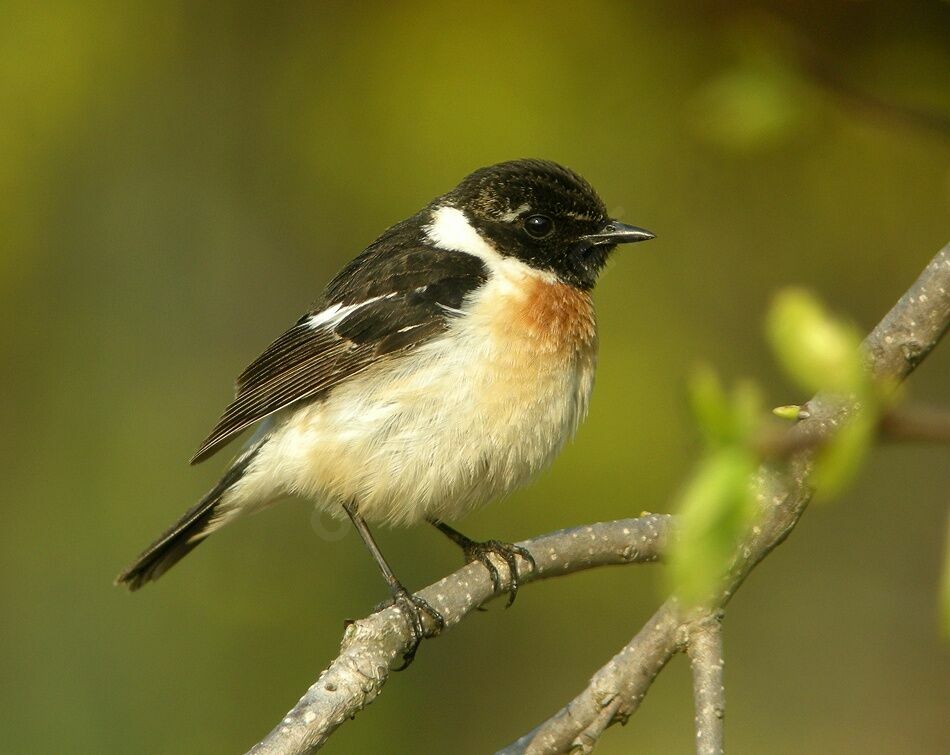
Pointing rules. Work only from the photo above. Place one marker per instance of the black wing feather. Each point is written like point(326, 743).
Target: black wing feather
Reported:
point(410, 292)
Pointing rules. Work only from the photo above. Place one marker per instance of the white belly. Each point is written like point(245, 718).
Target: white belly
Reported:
point(458, 422)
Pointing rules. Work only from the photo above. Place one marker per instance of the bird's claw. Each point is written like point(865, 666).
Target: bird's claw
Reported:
point(413, 607)
point(482, 552)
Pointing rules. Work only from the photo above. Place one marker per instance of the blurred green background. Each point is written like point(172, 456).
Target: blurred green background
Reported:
point(178, 181)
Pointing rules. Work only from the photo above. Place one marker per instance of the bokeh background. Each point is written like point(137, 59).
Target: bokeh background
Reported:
point(179, 179)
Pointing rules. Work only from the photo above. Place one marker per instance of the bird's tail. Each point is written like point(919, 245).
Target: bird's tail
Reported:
point(179, 539)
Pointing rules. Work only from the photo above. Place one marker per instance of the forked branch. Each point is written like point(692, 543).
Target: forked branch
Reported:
point(894, 349)
point(372, 646)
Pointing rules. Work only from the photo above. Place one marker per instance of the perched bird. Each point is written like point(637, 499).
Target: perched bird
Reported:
point(442, 368)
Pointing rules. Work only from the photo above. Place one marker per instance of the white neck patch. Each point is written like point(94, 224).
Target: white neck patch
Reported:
point(450, 230)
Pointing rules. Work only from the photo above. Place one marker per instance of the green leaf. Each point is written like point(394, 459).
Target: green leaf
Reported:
point(715, 510)
point(823, 353)
point(752, 106)
point(818, 351)
point(725, 419)
point(838, 461)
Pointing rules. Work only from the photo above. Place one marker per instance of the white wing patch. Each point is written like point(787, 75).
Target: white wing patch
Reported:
point(331, 316)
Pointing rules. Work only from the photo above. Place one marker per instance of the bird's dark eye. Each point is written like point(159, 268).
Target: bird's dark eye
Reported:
point(538, 226)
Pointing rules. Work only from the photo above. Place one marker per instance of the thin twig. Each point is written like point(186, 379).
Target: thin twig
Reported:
point(825, 72)
point(923, 424)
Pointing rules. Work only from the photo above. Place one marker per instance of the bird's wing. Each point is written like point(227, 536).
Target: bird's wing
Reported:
point(376, 309)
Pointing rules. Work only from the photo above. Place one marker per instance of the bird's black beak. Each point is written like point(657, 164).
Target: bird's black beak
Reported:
point(615, 232)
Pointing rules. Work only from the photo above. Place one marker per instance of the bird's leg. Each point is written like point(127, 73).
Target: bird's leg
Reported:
point(481, 552)
point(412, 606)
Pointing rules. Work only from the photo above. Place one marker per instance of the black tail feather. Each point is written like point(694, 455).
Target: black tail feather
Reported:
point(179, 539)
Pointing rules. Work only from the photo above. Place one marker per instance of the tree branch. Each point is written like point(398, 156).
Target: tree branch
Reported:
point(894, 349)
point(372, 646)
point(619, 687)
point(704, 648)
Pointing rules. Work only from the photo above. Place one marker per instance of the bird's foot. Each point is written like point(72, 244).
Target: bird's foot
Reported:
point(414, 609)
point(482, 552)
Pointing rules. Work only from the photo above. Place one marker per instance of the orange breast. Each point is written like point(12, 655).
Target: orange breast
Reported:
point(555, 316)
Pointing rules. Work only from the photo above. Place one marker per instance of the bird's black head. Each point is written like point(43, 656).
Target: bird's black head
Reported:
point(536, 211)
